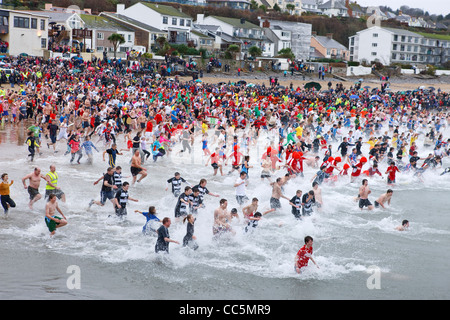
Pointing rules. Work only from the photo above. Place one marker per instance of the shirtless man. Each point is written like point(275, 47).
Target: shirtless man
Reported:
point(222, 218)
point(53, 222)
point(364, 192)
point(251, 209)
point(276, 195)
point(317, 194)
point(136, 167)
point(385, 197)
point(404, 226)
point(33, 187)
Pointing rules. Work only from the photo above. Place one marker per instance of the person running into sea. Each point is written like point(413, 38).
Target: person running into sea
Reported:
point(152, 220)
point(107, 189)
point(137, 168)
point(32, 144)
point(163, 241)
point(5, 194)
point(33, 187)
point(304, 255)
point(121, 200)
point(176, 182)
point(88, 146)
point(189, 238)
point(52, 184)
point(112, 154)
point(52, 221)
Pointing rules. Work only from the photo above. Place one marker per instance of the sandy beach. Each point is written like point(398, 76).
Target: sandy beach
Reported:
point(401, 83)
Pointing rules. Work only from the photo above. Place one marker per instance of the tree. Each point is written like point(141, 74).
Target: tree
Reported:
point(276, 8)
point(286, 53)
point(290, 7)
point(161, 41)
point(116, 40)
point(255, 51)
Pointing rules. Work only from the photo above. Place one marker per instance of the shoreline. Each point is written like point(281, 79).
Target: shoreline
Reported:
point(402, 83)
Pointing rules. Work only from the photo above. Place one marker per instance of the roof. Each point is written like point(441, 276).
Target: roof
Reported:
point(329, 43)
point(54, 16)
point(337, 5)
point(166, 10)
point(402, 32)
point(237, 22)
point(131, 21)
point(102, 23)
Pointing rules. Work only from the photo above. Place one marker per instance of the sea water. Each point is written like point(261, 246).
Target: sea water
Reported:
point(359, 253)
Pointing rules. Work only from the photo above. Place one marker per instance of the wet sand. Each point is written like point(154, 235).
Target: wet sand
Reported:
point(402, 83)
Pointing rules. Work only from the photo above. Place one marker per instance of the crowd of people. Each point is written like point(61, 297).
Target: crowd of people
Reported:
point(342, 134)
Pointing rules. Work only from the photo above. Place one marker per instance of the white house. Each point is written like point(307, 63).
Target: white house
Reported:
point(175, 23)
point(391, 45)
point(334, 8)
point(25, 32)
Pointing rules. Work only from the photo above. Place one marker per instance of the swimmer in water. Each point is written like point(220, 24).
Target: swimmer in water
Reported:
point(404, 226)
point(385, 197)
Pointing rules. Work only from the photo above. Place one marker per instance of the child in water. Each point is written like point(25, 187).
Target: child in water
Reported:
point(152, 219)
point(189, 238)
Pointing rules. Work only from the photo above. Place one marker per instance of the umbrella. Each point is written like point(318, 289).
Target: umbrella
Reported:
point(375, 97)
point(367, 87)
point(312, 84)
point(198, 80)
point(250, 85)
point(354, 96)
point(241, 82)
point(422, 87)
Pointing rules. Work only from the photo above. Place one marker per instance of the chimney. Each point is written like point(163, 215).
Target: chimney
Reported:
point(120, 8)
point(180, 9)
point(400, 12)
point(242, 20)
point(200, 18)
point(266, 24)
point(313, 33)
point(330, 36)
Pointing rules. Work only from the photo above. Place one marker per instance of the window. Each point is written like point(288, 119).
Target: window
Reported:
point(42, 26)
point(33, 23)
point(5, 21)
point(395, 37)
point(181, 22)
point(375, 35)
point(394, 46)
point(21, 22)
point(100, 36)
point(188, 23)
point(174, 21)
point(374, 45)
point(43, 43)
point(374, 53)
point(129, 38)
point(100, 49)
point(165, 20)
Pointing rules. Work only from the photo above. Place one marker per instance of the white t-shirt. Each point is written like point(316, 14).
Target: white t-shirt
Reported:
point(240, 189)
